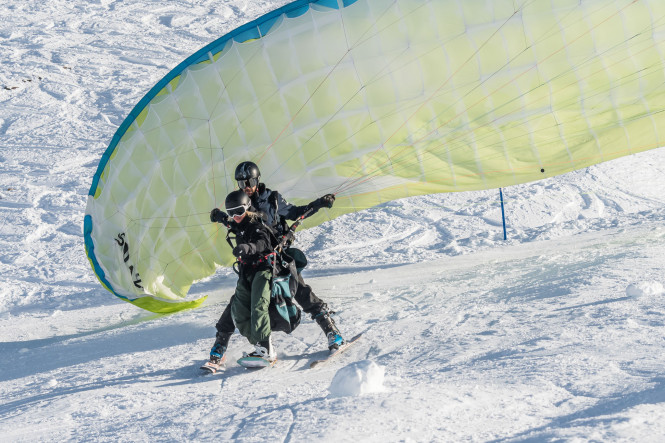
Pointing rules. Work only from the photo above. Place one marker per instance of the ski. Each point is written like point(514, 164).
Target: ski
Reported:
point(255, 362)
point(212, 368)
point(336, 352)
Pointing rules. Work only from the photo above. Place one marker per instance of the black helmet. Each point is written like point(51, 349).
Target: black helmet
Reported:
point(247, 175)
point(247, 170)
point(237, 202)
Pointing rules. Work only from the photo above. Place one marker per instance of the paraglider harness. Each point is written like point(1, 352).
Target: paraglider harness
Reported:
point(286, 263)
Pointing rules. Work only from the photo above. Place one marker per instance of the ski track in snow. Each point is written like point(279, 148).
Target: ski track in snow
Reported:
point(535, 338)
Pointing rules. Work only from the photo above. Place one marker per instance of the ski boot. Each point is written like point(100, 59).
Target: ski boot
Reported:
point(263, 356)
point(263, 349)
point(325, 321)
point(218, 353)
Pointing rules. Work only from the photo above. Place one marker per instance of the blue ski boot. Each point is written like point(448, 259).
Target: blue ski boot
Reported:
point(325, 321)
point(218, 354)
point(218, 351)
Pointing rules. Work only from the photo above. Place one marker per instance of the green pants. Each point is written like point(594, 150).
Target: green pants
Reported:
point(250, 306)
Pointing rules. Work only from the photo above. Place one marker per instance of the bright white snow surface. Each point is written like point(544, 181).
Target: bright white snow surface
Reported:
point(557, 333)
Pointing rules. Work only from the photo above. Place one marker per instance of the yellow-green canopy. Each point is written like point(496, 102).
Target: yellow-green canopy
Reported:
point(372, 100)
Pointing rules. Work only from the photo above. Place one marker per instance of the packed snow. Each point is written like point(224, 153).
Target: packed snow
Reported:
point(555, 334)
point(358, 378)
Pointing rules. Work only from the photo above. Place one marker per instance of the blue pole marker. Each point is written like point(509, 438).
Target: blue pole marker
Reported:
point(503, 215)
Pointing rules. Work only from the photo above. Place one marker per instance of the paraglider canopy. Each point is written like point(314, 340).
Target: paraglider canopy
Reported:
point(369, 100)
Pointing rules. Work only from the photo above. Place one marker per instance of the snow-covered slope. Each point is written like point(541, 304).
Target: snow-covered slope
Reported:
point(556, 333)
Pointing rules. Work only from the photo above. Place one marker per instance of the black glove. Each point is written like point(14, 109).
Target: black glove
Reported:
point(323, 202)
point(244, 249)
point(217, 216)
point(327, 201)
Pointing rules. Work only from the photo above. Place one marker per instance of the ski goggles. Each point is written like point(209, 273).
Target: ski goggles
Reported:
point(236, 211)
point(249, 183)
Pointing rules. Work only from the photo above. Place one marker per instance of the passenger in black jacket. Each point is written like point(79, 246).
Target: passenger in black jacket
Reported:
point(250, 302)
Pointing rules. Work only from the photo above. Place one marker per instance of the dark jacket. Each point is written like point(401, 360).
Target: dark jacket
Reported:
point(253, 231)
point(276, 209)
